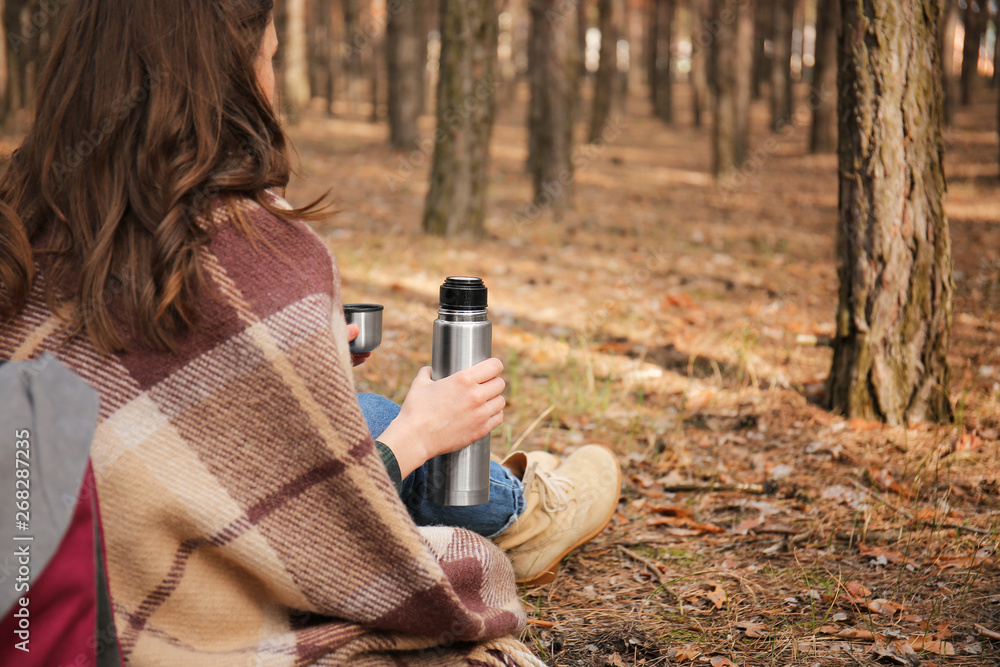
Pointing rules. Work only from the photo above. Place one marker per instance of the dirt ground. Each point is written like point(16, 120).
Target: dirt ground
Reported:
point(672, 320)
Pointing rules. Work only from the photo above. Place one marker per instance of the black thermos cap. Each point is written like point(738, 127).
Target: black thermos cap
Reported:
point(463, 293)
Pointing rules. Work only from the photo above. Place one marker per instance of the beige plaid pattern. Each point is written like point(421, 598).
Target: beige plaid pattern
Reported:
point(247, 517)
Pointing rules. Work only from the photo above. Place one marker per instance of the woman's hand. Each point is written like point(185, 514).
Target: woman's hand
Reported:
point(443, 416)
point(357, 358)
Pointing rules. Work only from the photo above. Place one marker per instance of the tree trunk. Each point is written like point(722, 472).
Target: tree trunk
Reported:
point(375, 78)
point(406, 57)
point(995, 81)
point(663, 105)
point(456, 201)
point(894, 316)
point(553, 61)
point(21, 46)
point(823, 98)
point(970, 51)
point(781, 64)
point(353, 42)
point(321, 54)
point(607, 70)
point(700, 45)
point(297, 93)
point(652, 49)
point(948, 28)
point(763, 22)
point(734, 63)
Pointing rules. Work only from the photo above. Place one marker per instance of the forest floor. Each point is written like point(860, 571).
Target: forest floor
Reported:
point(671, 320)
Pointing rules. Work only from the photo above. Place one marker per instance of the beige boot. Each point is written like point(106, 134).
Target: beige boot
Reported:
point(567, 505)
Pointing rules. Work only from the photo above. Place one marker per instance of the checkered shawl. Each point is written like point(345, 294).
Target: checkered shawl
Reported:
point(247, 516)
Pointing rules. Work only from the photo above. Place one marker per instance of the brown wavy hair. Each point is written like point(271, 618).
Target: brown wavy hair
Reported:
point(148, 113)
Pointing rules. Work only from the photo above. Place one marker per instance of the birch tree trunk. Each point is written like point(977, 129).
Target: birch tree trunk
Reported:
point(890, 360)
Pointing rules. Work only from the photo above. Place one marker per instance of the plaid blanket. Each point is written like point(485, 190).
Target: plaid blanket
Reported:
point(247, 515)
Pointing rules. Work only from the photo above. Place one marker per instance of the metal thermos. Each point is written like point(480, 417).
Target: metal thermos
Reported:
point(463, 336)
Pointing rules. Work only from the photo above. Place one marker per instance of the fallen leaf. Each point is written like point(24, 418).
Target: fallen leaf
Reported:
point(898, 651)
point(753, 630)
point(671, 510)
point(685, 653)
point(884, 480)
point(969, 442)
point(679, 300)
point(847, 633)
point(924, 643)
point(685, 526)
point(719, 661)
point(857, 590)
point(717, 595)
point(614, 660)
point(962, 562)
point(858, 424)
point(884, 607)
point(943, 631)
point(745, 526)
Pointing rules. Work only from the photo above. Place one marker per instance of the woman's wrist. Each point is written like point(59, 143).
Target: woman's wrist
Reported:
point(409, 451)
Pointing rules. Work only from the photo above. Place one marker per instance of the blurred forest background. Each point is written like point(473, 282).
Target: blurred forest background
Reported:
point(752, 246)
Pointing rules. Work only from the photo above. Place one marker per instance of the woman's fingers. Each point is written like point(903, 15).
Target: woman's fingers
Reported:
point(352, 331)
point(484, 370)
point(492, 388)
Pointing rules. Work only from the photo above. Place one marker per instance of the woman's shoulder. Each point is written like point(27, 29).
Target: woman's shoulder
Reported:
point(268, 260)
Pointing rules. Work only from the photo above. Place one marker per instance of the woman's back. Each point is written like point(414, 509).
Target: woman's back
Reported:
point(247, 517)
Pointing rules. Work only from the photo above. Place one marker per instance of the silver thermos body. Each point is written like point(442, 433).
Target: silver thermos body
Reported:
point(463, 336)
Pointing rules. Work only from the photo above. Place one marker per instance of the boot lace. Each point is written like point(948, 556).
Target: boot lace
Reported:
point(553, 490)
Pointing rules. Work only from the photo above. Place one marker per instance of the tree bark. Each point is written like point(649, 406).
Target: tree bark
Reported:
point(406, 56)
point(607, 70)
point(296, 59)
point(351, 46)
point(823, 98)
point(894, 315)
point(948, 28)
point(456, 200)
point(733, 48)
point(663, 102)
point(970, 51)
point(763, 22)
point(21, 46)
point(781, 64)
point(700, 45)
point(322, 62)
point(553, 61)
point(652, 48)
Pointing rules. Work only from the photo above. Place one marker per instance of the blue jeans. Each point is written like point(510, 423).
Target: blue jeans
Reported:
point(489, 520)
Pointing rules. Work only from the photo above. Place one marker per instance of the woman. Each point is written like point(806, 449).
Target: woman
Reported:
point(247, 515)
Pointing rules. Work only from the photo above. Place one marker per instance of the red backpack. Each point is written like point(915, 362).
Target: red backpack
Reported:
point(55, 604)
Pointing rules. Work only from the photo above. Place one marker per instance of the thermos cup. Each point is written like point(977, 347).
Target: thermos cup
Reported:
point(463, 336)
